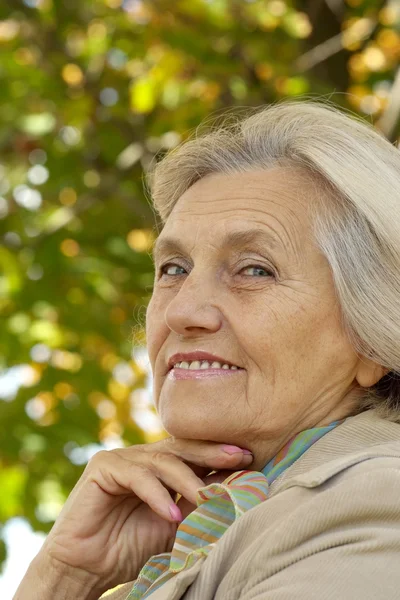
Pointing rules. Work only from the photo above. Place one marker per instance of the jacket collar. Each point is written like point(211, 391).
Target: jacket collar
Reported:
point(359, 438)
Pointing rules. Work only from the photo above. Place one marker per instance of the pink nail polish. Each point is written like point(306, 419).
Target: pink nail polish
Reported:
point(175, 512)
point(231, 449)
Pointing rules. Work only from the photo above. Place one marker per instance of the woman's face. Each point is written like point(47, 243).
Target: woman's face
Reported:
point(270, 310)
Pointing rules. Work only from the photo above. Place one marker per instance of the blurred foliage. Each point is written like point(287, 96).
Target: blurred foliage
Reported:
point(91, 91)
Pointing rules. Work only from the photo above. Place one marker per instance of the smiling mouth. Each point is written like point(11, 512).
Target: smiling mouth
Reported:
point(177, 367)
point(176, 373)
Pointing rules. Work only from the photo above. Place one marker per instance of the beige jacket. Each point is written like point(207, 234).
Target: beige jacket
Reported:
point(329, 530)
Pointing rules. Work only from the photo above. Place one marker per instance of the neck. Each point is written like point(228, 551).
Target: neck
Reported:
point(265, 450)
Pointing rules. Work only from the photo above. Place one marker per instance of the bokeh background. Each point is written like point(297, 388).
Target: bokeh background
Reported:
point(91, 92)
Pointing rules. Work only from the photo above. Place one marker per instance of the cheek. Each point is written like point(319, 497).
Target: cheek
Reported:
point(272, 329)
point(284, 338)
point(154, 331)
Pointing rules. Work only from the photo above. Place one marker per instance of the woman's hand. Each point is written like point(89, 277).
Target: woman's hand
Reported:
point(121, 513)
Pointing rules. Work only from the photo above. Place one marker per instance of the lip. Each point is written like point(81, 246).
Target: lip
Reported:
point(197, 355)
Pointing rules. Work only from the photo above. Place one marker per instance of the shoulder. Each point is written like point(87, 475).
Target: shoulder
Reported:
point(340, 539)
point(355, 510)
point(352, 505)
point(359, 489)
point(335, 537)
point(343, 493)
point(351, 487)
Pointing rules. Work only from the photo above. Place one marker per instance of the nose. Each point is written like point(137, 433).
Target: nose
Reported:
point(195, 306)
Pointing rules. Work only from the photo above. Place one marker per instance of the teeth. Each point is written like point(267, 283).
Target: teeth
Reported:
point(204, 364)
point(194, 365)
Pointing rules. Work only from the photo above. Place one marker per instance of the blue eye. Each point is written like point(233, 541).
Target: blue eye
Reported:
point(259, 268)
point(164, 267)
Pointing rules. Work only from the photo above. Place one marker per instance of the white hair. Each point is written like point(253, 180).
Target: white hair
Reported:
point(357, 222)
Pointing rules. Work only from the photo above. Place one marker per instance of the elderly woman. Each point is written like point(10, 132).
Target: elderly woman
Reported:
point(274, 340)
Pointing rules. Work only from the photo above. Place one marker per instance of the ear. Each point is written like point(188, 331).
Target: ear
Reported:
point(369, 372)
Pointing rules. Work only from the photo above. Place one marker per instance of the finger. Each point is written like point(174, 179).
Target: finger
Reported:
point(118, 476)
point(203, 456)
point(153, 493)
point(176, 475)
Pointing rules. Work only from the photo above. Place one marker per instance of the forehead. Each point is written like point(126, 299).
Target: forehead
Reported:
point(264, 208)
point(254, 237)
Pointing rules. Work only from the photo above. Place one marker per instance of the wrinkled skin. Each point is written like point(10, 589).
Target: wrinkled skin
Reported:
point(272, 311)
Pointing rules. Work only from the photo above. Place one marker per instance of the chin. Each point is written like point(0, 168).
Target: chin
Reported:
point(186, 427)
point(182, 429)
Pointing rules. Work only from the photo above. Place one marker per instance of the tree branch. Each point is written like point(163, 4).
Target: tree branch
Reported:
point(391, 115)
point(336, 7)
point(354, 33)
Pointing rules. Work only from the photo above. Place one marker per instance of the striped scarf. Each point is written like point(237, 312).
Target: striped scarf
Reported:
point(218, 506)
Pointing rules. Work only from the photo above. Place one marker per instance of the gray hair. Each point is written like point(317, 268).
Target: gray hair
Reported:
point(356, 225)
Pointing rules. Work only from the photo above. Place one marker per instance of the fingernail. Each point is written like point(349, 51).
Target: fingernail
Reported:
point(235, 450)
point(175, 512)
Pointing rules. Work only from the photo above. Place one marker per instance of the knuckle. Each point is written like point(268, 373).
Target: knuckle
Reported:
point(98, 458)
point(96, 462)
point(133, 448)
point(171, 443)
point(160, 457)
point(133, 452)
point(120, 452)
point(141, 471)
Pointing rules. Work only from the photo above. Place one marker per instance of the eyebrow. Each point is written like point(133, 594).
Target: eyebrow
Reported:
point(256, 237)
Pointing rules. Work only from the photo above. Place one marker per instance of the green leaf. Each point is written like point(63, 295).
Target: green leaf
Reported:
point(37, 124)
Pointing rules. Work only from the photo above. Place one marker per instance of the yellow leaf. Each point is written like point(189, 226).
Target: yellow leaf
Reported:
point(142, 95)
